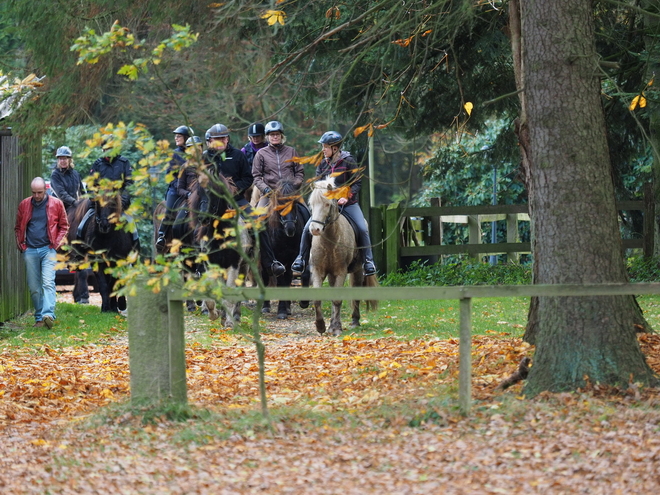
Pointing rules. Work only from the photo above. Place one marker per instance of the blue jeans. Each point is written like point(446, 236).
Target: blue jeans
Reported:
point(40, 264)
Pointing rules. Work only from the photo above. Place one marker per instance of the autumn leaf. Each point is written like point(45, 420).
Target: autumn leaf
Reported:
point(468, 107)
point(333, 13)
point(306, 160)
point(402, 42)
point(360, 130)
point(638, 101)
point(338, 193)
point(274, 16)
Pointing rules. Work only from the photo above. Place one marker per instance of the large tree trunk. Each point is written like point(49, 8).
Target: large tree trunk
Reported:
point(574, 224)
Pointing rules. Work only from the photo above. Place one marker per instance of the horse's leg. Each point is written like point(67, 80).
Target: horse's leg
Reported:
point(212, 309)
point(335, 319)
point(317, 281)
point(233, 310)
point(305, 281)
point(104, 290)
point(356, 280)
point(284, 307)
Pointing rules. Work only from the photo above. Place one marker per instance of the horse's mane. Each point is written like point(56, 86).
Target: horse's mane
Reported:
point(321, 187)
point(280, 199)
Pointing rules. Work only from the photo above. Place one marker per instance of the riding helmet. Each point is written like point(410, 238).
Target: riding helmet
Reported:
point(331, 138)
point(184, 131)
point(217, 131)
point(274, 126)
point(193, 140)
point(256, 129)
point(63, 151)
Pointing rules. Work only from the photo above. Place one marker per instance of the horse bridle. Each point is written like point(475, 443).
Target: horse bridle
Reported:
point(329, 218)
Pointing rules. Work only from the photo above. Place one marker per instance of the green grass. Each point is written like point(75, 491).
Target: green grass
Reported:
point(75, 325)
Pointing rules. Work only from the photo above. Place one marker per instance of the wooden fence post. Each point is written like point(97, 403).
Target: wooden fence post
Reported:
point(649, 221)
point(465, 356)
point(512, 236)
point(155, 347)
point(474, 227)
point(392, 237)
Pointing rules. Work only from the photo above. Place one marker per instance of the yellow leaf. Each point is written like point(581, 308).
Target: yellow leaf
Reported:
point(360, 130)
point(340, 192)
point(287, 209)
point(274, 16)
point(638, 101)
point(403, 43)
point(305, 160)
point(333, 13)
point(468, 107)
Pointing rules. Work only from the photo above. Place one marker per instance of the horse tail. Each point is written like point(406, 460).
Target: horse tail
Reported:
point(371, 281)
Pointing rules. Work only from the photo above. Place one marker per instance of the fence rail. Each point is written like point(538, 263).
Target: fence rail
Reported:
point(157, 358)
point(396, 236)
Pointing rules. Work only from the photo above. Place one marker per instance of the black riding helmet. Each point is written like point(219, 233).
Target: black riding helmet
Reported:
point(256, 129)
point(184, 131)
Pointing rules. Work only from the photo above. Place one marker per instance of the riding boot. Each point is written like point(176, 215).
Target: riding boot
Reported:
point(365, 241)
point(268, 256)
point(299, 264)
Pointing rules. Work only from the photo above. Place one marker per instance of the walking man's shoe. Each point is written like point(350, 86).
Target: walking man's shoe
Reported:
point(38, 324)
point(48, 321)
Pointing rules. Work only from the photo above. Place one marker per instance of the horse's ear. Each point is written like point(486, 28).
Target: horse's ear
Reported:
point(330, 188)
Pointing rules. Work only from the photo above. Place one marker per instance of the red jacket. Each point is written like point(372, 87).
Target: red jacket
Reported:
point(58, 224)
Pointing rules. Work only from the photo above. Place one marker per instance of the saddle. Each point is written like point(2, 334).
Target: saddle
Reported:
point(353, 225)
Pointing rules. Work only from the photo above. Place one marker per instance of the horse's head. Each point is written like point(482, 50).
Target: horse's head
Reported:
point(107, 211)
point(324, 209)
point(283, 209)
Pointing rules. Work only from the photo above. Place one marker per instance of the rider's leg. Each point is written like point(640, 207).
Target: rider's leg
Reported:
point(166, 224)
point(299, 264)
point(355, 213)
point(267, 254)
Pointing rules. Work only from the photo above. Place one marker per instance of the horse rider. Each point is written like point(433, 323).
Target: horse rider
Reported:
point(257, 140)
point(341, 165)
point(172, 197)
point(222, 158)
point(274, 164)
point(114, 167)
point(66, 184)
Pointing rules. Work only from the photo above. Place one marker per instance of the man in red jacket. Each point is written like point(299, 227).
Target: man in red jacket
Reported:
point(41, 227)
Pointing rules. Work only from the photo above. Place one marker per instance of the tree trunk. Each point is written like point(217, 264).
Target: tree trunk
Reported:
point(574, 225)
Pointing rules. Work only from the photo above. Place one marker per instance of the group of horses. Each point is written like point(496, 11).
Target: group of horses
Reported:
point(335, 254)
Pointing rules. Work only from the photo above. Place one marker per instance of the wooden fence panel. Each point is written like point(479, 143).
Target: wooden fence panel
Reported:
point(17, 169)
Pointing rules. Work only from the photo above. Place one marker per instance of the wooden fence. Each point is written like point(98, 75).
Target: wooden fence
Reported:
point(156, 326)
point(400, 233)
point(19, 164)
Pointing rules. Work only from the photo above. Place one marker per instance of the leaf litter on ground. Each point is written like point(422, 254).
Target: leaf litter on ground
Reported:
point(350, 415)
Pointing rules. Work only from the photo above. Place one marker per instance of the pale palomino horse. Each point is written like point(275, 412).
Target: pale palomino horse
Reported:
point(334, 255)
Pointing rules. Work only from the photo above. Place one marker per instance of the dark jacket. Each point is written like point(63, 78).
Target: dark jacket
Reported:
point(347, 169)
point(58, 225)
point(249, 151)
point(177, 160)
point(67, 185)
point(115, 169)
point(233, 165)
point(274, 164)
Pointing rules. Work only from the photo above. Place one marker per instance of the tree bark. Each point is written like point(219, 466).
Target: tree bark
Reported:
point(575, 236)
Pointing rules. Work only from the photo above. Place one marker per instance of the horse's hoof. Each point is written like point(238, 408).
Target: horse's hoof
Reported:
point(336, 332)
point(265, 309)
point(304, 304)
point(320, 327)
point(213, 315)
point(282, 316)
point(355, 324)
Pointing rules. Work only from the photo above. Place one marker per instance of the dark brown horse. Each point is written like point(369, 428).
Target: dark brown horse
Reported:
point(285, 221)
point(101, 242)
point(334, 255)
point(218, 233)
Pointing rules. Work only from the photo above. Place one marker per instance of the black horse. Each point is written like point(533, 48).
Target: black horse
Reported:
point(102, 242)
point(215, 233)
point(285, 223)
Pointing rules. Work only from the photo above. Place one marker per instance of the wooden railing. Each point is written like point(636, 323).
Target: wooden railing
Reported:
point(398, 233)
point(156, 326)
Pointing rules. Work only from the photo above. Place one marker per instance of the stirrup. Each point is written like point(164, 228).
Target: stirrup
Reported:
point(369, 268)
point(277, 268)
point(298, 266)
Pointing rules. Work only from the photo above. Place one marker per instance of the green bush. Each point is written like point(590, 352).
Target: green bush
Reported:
point(462, 273)
point(640, 269)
